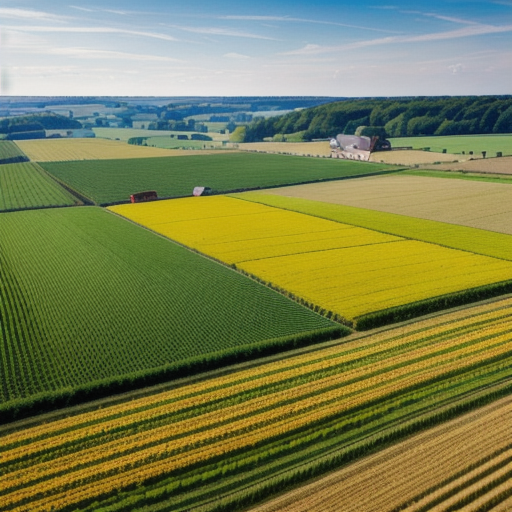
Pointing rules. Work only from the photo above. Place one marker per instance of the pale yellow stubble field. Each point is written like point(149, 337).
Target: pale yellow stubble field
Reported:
point(474, 204)
point(64, 150)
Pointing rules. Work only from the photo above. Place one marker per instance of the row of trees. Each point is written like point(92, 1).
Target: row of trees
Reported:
point(399, 117)
point(34, 126)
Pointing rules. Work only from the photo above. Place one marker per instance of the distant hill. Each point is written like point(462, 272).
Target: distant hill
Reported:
point(400, 117)
point(33, 126)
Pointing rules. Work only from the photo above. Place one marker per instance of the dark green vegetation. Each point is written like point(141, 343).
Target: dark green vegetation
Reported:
point(91, 304)
point(113, 181)
point(25, 185)
point(400, 117)
point(34, 126)
point(10, 153)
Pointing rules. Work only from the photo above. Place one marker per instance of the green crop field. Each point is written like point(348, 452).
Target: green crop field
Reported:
point(113, 181)
point(175, 143)
point(25, 185)
point(461, 175)
point(479, 241)
point(9, 151)
point(87, 297)
point(457, 144)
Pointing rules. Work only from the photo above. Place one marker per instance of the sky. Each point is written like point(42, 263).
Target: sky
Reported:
point(265, 48)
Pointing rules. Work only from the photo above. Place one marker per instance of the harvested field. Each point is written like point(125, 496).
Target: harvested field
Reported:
point(413, 157)
point(482, 165)
point(403, 477)
point(66, 150)
point(293, 148)
point(467, 203)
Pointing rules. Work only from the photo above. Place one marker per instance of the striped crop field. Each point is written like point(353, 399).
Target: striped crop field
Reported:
point(25, 185)
point(89, 301)
point(112, 181)
point(345, 270)
point(70, 150)
point(225, 442)
point(475, 476)
point(10, 153)
point(479, 241)
point(421, 197)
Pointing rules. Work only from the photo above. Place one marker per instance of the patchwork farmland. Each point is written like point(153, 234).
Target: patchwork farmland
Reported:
point(344, 270)
point(467, 203)
point(70, 150)
point(194, 387)
point(113, 181)
point(239, 436)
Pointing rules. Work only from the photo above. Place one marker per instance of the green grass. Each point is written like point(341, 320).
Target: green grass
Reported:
point(461, 175)
point(25, 185)
point(113, 181)
point(88, 297)
point(479, 241)
point(173, 143)
point(456, 144)
point(9, 150)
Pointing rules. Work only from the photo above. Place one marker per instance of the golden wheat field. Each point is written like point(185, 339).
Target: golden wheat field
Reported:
point(468, 203)
point(294, 148)
point(347, 270)
point(64, 150)
point(438, 464)
point(501, 165)
point(411, 157)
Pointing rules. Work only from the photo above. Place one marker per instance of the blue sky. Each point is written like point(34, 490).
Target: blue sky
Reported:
point(269, 48)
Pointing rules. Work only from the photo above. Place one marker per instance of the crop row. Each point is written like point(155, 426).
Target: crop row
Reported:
point(271, 413)
point(345, 270)
point(24, 185)
point(87, 297)
point(484, 435)
point(10, 153)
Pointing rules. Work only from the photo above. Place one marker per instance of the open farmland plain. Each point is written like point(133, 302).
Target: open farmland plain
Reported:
point(70, 150)
point(346, 271)
point(483, 165)
point(222, 443)
point(89, 301)
point(457, 144)
point(25, 185)
point(112, 181)
point(474, 204)
point(472, 456)
point(292, 148)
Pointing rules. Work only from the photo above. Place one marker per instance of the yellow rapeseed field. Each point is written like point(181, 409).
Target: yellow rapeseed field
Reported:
point(348, 270)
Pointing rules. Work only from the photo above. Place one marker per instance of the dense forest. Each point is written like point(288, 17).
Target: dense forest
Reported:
point(399, 117)
point(34, 126)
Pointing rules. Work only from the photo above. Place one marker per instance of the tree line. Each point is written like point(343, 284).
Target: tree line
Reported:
point(398, 117)
point(34, 126)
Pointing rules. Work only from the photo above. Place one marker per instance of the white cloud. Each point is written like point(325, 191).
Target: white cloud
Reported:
point(234, 55)
point(88, 53)
point(212, 31)
point(93, 30)
point(469, 31)
point(29, 14)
